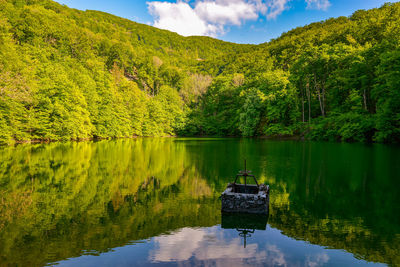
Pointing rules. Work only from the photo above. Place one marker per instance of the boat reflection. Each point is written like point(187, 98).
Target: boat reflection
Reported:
point(245, 233)
point(245, 224)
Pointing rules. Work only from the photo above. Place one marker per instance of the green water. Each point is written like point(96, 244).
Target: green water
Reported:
point(147, 202)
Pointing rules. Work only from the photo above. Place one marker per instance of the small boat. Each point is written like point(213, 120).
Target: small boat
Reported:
point(245, 198)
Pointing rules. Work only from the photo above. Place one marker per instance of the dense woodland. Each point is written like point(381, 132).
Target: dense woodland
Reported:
point(67, 74)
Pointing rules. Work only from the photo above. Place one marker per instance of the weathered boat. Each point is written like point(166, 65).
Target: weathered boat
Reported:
point(245, 198)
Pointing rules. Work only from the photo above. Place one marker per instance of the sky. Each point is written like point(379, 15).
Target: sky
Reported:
point(239, 21)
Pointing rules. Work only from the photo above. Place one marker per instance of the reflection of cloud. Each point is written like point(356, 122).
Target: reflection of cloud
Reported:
point(275, 256)
point(317, 260)
point(205, 246)
point(212, 247)
point(178, 246)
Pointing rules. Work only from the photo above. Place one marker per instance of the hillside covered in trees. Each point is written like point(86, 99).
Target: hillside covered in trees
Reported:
point(69, 74)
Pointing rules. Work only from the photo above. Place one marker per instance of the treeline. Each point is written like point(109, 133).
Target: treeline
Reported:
point(69, 74)
point(333, 80)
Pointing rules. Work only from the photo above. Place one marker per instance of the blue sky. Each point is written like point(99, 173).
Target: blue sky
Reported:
point(239, 21)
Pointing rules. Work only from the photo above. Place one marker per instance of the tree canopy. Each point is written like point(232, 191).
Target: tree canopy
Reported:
point(67, 74)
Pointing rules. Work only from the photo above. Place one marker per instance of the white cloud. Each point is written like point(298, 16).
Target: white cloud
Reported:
point(276, 8)
point(318, 4)
point(210, 17)
point(181, 18)
point(226, 13)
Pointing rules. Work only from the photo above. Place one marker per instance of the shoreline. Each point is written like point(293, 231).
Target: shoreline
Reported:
point(300, 138)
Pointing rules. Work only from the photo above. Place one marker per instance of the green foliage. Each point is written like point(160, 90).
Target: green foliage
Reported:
point(250, 113)
point(333, 80)
point(350, 127)
point(69, 74)
point(387, 93)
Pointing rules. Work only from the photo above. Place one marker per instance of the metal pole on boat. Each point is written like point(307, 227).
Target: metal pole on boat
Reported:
point(245, 176)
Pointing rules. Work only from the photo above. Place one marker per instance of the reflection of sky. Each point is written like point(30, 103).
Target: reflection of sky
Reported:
point(214, 246)
point(204, 245)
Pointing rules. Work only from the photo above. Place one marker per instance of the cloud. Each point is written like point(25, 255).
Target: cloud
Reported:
point(318, 4)
point(210, 17)
point(181, 18)
point(276, 8)
point(226, 13)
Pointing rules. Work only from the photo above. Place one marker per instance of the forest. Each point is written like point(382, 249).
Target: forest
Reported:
point(67, 74)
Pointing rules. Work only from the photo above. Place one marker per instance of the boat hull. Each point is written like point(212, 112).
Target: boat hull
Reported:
point(238, 198)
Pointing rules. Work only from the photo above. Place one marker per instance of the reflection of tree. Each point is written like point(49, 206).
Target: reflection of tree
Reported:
point(337, 195)
point(334, 231)
point(306, 223)
point(59, 200)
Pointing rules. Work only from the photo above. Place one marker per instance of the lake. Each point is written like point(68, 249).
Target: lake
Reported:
point(155, 202)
